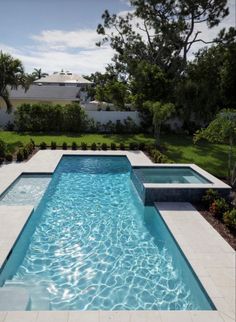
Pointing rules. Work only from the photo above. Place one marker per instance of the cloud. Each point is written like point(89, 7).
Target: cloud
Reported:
point(84, 38)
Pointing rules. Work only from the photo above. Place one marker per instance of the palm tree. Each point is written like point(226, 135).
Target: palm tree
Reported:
point(11, 76)
point(37, 73)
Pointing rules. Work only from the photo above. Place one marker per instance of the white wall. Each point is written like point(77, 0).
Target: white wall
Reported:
point(5, 117)
point(105, 116)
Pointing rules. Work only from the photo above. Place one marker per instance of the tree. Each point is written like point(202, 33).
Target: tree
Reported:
point(209, 82)
point(160, 32)
point(161, 112)
point(37, 73)
point(222, 129)
point(11, 76)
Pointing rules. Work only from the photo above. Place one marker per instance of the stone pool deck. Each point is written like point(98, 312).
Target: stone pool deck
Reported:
point(212, 259)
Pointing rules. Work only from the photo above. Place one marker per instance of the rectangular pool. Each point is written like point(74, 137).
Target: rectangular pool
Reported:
point(91, 244)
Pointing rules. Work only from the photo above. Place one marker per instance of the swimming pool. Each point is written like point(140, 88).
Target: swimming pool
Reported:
point(92, 245)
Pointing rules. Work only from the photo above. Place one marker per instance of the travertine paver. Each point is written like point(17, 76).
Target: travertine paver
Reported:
point(48, 316)
point(212, 258)
point(19, 316)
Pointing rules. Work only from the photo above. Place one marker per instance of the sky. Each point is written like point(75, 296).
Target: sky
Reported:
point(61, 34)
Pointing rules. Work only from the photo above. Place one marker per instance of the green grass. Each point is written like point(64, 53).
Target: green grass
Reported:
point(179, 148)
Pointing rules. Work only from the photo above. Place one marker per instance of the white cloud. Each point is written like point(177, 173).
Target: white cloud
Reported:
point(84, 38)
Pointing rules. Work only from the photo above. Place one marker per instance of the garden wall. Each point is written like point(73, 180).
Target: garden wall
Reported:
point(105, 116)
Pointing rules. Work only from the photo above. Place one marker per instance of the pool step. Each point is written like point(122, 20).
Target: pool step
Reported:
point(14, 299)
point(38, 300)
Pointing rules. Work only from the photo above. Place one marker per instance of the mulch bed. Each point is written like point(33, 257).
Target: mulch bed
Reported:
point(228, 234)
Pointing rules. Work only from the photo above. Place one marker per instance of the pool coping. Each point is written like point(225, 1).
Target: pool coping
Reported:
point(172, 213)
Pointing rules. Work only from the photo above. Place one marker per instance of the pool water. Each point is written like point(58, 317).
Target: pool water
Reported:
point(94, 246)
point(169, 175)
point(27, 190)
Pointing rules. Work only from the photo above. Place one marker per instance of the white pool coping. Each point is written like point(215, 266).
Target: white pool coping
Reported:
point(211, 257)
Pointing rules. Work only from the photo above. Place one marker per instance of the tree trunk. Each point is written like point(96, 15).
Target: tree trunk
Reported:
point(8, 103)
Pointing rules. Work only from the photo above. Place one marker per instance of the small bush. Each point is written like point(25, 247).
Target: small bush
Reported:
point(209, 197)
point(219, 207)
point(32, 143)
point(2, 148)
point(122, 146)
point(30, 147)
point(74, 146)
point(141, 146)
point(133, 146)
point(8, 157)
point(1, 160)
point(25, 153)
point(53, 145)
point(20, 155)
point(84, 146)
point(159, 157)
point(113, 146)
point(104, 146)
point(64, 146)
point(94, 146)
point(43, 145)
point(229, 218)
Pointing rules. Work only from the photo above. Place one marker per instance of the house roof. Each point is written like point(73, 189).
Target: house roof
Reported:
point(63, 77)
point(46, 93)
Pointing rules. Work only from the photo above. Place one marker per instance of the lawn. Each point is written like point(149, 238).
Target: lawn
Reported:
point(179, 148)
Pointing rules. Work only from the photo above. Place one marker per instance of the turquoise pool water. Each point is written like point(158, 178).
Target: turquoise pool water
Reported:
point(169, 175)
point(27, 190)
point(92, 245)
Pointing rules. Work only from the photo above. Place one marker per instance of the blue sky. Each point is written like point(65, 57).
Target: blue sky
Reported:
point(56, 34)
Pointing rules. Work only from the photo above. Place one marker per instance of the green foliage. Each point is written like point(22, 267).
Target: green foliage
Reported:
point(20, 155)
point(161, 113)
point(11, 75)
point(113, 146)
point(229, 218)
point(43, 117)
point(219, 207)
point(122, 146)
point(84, 146)
point(64, 146)
point(209, 197)
point(2, 148)
point(74, 146)
point(222, 129)
point(159, 157)
point(104, 146)
point(94, 146)
point(43, 145)
point(9, 157)
point(53, 145)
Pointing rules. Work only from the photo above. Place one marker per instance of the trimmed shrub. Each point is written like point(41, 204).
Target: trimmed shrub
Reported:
point(32, 143)
point(141, 146)
point(104, 146)
point(43, 145)
point(229, 218)
point(84, 146)
point(9, 157)
point(113, 146)
point(53, 145)
point(25, 153)
point(30, 147)
point(158, 157)
point(209, 197)
point(122, 146)
point(94, 146)
point(20, 156)
point(64, 146)
point(133, 146)
point(219, 207)
point(2, 148)
point(74, 146)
